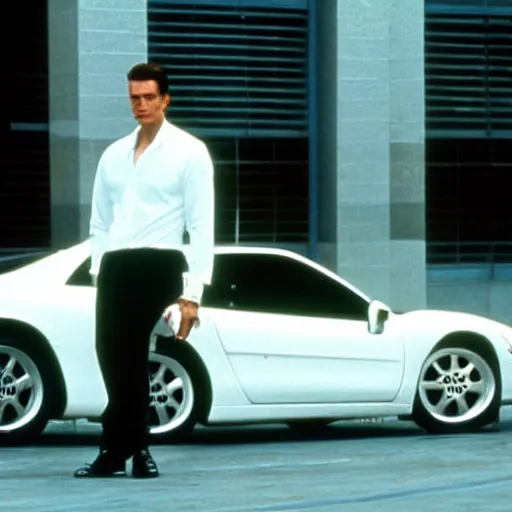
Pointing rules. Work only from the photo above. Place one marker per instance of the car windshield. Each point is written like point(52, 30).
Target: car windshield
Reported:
point(11, 262)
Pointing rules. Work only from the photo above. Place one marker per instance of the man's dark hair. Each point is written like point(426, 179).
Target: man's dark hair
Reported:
point(148, 71)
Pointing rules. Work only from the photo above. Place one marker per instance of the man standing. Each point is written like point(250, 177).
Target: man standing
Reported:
point(149, 188)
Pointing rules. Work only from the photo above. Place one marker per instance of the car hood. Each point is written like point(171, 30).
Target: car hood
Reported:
point(453, 320)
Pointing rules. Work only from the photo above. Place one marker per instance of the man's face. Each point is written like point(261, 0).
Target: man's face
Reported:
point(148, 105)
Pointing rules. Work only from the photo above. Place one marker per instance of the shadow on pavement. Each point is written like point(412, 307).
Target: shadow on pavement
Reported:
point(258, 434)
point(88, 434)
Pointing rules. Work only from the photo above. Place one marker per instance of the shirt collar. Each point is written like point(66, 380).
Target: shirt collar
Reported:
point(157, 141)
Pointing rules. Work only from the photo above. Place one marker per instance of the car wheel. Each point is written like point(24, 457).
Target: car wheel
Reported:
point(25, 391)
point(458, 391)
point(175, 400)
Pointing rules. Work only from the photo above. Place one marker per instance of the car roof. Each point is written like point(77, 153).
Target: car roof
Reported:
point(84, 249)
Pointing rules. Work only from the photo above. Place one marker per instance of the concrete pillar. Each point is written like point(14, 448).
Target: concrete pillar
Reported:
point(92, 44)
point(327, 123)
point(407, 154)
point(371, 155)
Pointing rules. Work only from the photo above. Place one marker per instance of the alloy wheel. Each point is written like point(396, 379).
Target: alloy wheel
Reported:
point(456, 385)
point(21, 389)
point(171, 394)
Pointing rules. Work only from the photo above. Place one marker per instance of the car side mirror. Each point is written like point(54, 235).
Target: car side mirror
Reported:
point(378, 313)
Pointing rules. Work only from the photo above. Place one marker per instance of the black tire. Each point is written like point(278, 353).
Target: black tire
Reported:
point(483, 408)
point(23, 427)
point(183, 405)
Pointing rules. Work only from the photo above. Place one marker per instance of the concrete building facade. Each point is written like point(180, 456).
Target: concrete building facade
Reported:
point(342, 130)
point(369, 112)
point(92, 44)
point(371, 146)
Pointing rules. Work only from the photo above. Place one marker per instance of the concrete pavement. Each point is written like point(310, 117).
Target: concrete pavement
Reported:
point(352, 467)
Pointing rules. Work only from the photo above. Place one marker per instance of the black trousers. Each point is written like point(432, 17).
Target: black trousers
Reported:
point(134, 286)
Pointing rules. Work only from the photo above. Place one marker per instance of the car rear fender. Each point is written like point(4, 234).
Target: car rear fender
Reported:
point(16, 329)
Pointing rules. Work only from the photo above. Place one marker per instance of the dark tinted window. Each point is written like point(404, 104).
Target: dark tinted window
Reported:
point(81, 276)
point(468, 201)
point(270, 284)
point(278, 284)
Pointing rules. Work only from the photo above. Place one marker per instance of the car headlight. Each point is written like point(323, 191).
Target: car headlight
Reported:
point(506, 332)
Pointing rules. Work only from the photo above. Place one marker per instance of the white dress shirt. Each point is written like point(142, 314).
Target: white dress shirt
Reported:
point(150, 203)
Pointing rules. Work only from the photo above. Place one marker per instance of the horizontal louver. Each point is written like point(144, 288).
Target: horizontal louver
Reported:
point(468, 6)
point(468, 72)
point(236, 71)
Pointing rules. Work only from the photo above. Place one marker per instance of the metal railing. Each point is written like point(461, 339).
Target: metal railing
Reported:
point(495, 252)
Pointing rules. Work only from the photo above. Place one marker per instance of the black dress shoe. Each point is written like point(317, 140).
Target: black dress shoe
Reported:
point(144, 466)
point(105, 465)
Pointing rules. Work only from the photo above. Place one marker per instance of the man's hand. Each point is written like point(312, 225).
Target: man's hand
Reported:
point(186, 312)
point(189, 318)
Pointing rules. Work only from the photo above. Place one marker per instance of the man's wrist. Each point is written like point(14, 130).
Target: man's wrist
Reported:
point(192, 288)
point(94, 277)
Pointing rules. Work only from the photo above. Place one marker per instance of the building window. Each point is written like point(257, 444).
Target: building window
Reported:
point(469, 212)
point(261, 188)
point(468, 57)
point(24, 159)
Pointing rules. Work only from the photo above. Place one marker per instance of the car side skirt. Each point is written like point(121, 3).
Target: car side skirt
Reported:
point(287, 412)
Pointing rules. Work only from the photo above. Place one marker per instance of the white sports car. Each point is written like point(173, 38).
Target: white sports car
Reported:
point(281, 339)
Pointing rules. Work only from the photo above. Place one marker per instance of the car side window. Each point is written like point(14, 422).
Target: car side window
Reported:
point(214, 295)
point(219, 294)
point(81, 276)
point(268, 283)
point(279, 284)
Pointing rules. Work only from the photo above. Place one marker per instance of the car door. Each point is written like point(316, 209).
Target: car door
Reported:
point(293, 334)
